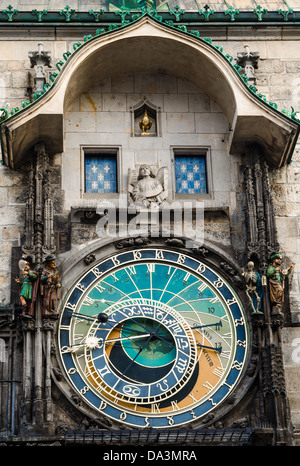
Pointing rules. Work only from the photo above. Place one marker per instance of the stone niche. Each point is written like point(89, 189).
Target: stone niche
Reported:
point(137, 114)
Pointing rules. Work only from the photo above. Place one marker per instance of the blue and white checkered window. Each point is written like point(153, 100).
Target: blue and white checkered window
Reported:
point(190, 174)
point(100, 173)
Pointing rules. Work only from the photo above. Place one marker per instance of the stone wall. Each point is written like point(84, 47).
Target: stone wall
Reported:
point(102, 116)
point(188, 118)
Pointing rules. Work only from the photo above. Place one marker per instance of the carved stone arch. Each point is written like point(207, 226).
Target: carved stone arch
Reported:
point(172, 50)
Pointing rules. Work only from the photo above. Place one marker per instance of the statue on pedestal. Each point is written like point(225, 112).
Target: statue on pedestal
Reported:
point(28, 282)
point(50, 288)
point(277, 276)
point(254, 288)
point(145, 124)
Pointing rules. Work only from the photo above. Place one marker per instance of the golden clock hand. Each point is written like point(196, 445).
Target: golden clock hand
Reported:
point(157, 335)
point(102, 317)
point(217, 324)
point(98, 317)
point(138, 353)
point(128, 338)
point(219, 350)
point(93, 342)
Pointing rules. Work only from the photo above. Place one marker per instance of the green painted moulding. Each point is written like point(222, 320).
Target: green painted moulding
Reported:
point(6, 113)
point(66, 15)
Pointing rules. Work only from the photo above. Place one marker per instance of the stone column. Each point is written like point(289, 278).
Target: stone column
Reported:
point(39, 244)
point(48, 328)
point(261, 243)
point(28, 329)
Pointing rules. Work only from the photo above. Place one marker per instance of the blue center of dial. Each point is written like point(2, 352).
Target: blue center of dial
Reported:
point(158, 347)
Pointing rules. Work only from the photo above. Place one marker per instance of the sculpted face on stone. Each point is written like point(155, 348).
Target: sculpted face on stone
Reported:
point(146, 189)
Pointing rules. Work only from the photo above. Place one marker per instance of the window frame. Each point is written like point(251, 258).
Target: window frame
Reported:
point(86, 150)
point(194, 151)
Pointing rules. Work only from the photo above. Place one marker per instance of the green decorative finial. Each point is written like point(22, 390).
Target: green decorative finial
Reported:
point(39, 14)
point(10, 12)
point(96, 15)
point(123, 12)
point(67, 12)
point(259, 12)
point(232, 12)
point(206, 13)
point(285, 13)
point(176, 12)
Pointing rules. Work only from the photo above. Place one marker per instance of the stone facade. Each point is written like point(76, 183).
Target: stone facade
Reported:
point(101, 116)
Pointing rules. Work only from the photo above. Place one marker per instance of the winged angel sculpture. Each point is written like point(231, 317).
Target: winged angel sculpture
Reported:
point(146, 189)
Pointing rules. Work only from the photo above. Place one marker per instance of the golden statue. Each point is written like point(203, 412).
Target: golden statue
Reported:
point(145, 124)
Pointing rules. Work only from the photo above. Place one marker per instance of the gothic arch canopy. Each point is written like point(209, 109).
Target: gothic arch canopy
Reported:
point(146, 45)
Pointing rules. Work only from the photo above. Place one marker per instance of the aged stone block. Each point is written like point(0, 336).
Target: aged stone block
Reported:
point(180, 123)
point(90, 102)
point(112, 122)
point(114, 102)
point(175, 103)
point(210, 123)
point(199, 103)
point(144, 83)
point(122, 83)
point(80, 121)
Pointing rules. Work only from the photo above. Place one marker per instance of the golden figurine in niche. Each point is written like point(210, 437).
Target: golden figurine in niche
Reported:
point(145, 124)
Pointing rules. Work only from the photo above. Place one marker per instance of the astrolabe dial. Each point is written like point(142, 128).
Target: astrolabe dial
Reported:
point(146, 352)
point(153, 338)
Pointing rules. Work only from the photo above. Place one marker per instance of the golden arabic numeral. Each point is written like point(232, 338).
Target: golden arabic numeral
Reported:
point(231, 301)
point(201, 268)
point(193, 414)
point(102, 405)
point(159, 254)
point(181, 259)
point(65, 349)
point(218, 283)
point(115, 260)
point(171, 420)
point(84, 390)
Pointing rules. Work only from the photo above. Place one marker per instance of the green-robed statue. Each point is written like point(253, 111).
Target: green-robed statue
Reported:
point(276, 276)
point(28, 282)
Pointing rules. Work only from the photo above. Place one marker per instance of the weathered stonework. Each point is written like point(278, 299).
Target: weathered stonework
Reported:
point(100, 116)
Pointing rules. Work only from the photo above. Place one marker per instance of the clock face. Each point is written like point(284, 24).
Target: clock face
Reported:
point(153, 338)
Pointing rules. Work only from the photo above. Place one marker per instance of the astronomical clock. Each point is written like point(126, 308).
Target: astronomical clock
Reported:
point(153, 338)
